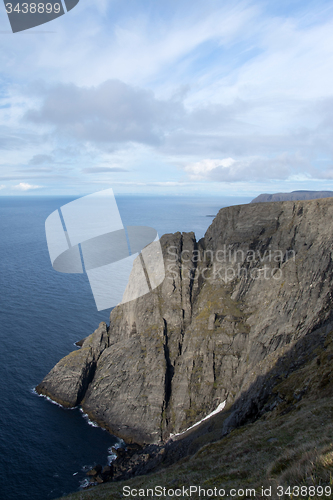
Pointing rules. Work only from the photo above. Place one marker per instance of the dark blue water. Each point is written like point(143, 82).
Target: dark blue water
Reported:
point(43, 447)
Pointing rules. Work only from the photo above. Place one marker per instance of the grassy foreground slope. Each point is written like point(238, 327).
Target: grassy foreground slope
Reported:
point(288, 443)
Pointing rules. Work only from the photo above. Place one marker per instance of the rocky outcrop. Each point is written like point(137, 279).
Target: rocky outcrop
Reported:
point(68, 381)
point(230, 306)
point(293, 196)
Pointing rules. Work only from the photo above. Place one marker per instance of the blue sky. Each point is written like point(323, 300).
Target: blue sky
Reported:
point(169, 97)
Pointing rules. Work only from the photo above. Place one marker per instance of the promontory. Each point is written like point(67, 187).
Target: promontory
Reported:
point(230, 307)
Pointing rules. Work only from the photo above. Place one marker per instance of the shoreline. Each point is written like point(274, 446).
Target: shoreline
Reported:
point(90, 422)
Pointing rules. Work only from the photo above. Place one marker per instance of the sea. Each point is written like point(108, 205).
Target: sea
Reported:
point(44, 448)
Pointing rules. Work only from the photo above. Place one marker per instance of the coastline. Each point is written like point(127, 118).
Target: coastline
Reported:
point(84, 415)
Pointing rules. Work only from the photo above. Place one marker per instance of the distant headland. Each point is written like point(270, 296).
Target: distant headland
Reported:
point(293, 196)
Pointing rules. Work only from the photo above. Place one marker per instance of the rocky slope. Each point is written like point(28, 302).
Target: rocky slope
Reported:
point(231, 305)
point(293, 196)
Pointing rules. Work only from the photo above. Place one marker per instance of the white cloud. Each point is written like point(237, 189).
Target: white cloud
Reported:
point(280, 167)
point(202, 169)
point(23, 186)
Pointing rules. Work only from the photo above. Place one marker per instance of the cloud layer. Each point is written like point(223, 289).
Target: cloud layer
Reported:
point(170, 95)
point(112, 112)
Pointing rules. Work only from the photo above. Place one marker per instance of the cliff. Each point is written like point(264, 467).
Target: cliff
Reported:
point(293, 196)
point(232, 306)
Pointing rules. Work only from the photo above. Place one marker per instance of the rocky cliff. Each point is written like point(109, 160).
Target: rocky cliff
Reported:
point(230, 306)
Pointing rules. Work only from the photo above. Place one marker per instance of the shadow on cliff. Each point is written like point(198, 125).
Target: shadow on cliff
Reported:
point(261, 398)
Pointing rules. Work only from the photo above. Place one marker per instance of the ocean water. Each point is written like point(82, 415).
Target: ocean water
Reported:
point(44, 449)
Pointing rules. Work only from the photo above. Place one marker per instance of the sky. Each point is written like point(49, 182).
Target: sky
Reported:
point(176, 97)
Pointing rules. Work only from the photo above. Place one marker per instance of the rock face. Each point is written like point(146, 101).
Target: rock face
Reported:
point(229, 307)
point(68, 381)
point(293, 196)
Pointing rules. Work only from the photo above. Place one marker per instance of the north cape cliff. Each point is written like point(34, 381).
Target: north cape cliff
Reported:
point(230, 306)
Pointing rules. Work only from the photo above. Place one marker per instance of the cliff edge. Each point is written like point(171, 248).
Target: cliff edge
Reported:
point(231, 305)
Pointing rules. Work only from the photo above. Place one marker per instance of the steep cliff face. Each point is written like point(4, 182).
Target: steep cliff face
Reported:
point(229, 307)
